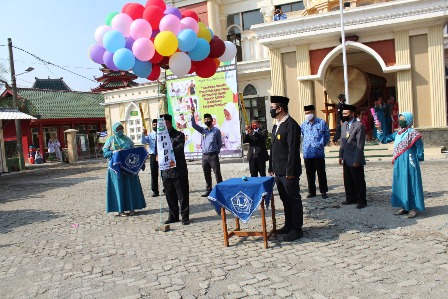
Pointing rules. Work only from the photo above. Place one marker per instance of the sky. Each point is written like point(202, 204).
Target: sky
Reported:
point(58, 31)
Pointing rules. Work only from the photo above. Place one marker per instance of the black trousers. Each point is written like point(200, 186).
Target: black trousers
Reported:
point(177, 191)
point(209, 162)
point(355, 184)
point(313, 165)
point(154, 166)
point(337, 134)
point(289, 192)
point(257, 166)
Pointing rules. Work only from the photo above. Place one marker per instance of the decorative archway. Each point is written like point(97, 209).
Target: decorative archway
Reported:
point(352, 45)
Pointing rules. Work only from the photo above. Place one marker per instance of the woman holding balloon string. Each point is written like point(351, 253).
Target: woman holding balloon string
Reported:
point(407, 186)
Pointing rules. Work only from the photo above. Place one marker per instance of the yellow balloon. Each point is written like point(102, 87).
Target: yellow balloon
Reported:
point(203, 32)
point(166, 43)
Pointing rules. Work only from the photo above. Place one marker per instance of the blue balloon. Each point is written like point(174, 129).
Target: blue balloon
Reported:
point(200, 51)
point(113, 40)
point(124, 59)
point(142, 69)
point(187, 40)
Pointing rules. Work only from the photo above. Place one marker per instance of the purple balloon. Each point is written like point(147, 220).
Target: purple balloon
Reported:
point(129, 42)
point(173, 11)
point(155, 32)
point(96, 53)
point(109, 61)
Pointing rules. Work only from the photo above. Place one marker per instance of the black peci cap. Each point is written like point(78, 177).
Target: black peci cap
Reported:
point(350, 107)
point(309, 108)
point(154, 121)
point(167, 117)
point(279, 100)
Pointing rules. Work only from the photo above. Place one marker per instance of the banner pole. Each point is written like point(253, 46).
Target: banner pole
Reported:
point(344, 51)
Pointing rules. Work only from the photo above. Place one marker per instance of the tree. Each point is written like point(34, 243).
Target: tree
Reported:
point(3, 82)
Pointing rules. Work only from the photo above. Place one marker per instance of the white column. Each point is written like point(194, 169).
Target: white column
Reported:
point(404, 78)
point(277, 80)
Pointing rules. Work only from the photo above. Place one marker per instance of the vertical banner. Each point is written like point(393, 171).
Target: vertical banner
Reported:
point(164, 147)
point(218, 96)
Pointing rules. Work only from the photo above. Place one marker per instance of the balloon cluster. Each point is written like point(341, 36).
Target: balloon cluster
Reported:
point(146, 38)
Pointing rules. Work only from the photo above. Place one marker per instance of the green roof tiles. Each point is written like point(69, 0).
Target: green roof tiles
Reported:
point(49, 104)
point(51, 84)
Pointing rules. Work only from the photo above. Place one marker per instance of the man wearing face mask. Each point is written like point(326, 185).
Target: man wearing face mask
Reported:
point(257, 154)
point(211, 143)
point(316, 136)
point(351, 156)
point(285, 164)
point(151, 139)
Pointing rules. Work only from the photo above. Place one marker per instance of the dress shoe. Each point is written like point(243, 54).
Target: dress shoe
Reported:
point(324, 196)
point(347, 203)
point(206, 194)
point(361, 205)
point(283, 231)
point(185, 222)
point(292, 235)
point(311, 195)
point(155, 194)
point(168, 221)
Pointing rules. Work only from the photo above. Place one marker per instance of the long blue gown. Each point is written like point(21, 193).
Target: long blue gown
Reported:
point(407, 186)
point(382, 114)
point(124, 192)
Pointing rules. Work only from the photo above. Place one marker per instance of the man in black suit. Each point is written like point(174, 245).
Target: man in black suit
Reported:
point(351, 156)
point(341, 105)
point(285, 164)
point(257, 154)
point(175, 180)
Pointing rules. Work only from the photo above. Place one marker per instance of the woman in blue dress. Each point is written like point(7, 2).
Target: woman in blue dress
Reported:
point(407, 187)
point(124, 192)
point(383, 113)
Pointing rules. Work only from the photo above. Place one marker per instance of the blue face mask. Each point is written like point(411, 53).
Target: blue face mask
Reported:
point(120, 133)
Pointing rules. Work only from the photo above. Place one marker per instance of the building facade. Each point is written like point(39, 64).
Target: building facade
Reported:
point(394, 48)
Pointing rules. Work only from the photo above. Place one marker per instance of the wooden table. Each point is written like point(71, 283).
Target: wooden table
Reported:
point(238, 232)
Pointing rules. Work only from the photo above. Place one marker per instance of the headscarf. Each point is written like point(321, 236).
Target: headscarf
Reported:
point(231, 128)
point(405, 137)
point(118, 141)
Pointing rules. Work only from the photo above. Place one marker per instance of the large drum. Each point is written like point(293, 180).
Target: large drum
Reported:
point(358, 84)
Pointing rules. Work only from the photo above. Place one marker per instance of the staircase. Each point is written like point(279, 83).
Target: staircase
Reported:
point(372, 149)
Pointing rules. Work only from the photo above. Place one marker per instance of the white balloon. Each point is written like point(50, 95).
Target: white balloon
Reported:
point(180, 64)
point(100, 32)
point(229, 53)
point(122, 22)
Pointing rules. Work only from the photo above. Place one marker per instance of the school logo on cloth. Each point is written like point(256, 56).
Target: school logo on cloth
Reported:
point(132, 161)
point(241, 203)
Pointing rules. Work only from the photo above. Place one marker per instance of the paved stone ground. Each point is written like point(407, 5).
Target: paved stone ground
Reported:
point(57, 242)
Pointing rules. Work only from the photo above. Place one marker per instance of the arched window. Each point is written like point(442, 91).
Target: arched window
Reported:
point(249, 90)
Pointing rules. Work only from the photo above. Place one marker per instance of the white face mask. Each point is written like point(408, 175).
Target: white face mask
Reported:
point(309, 117)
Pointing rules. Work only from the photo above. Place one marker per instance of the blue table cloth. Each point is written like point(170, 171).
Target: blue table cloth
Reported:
point(242, 197)
point(131, 161)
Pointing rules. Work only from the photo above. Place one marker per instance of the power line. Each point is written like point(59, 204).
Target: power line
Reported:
point(39, 63)
point(50, 63)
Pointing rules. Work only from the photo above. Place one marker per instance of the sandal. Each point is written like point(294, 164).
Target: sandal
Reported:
point(132, 213)
point(401, 212)
point(122, 214)
point(412, 214)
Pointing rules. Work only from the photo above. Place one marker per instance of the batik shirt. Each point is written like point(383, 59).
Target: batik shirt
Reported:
point(316, 136)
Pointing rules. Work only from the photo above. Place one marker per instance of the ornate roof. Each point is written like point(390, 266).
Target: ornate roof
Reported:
point(51, 104)
point(51, 84)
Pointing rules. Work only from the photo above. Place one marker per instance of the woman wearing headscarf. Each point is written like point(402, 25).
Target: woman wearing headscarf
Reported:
point(124, 192)
point(230, 130)
point(383, 114)
point(407, 187)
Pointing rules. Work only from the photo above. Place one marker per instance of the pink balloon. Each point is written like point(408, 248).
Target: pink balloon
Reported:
point(141, 28)
point(170, 23)
point(189, 23)
point(100, 32)
point(143, 49)
point(122, 22)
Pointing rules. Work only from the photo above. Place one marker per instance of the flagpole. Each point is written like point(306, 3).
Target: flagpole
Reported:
point(344, 52)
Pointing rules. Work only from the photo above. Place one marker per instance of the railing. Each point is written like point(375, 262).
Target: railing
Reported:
point(250, 47)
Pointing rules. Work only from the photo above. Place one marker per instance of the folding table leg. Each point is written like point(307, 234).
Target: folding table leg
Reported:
point(274, 222)
point(224, 227)
point(237, 224)
point(263, 224)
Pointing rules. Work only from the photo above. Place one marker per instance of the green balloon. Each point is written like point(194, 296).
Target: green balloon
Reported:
point(110, 16)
